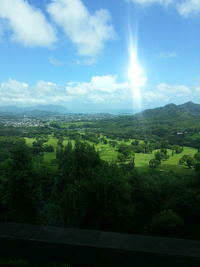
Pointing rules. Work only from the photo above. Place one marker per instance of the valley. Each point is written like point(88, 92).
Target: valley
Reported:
point(124, 173)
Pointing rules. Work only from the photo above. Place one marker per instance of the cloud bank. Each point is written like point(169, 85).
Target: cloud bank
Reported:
point(166, 93)
point(184, 7)
point(150, 2)
point(105, 91)
point(99, 90)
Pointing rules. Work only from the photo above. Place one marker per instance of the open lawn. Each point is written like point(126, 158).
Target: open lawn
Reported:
point(29, 141)
point(109, 153)
point(172, 164)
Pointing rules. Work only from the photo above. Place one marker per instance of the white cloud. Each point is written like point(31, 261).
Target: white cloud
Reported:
point(183, 7)
point(55, 61)
point(2, 28)
point(96, 99)
point(171, 54)
point(189, 7)
point(99, 90)
point(87, 31)
point(166, 93)
point(107, 83)
point(86, 61)
point(152, 96)
point(28, 24)
point(150, 2)
point(15, 92)
point(178, 90)
point(20, 93)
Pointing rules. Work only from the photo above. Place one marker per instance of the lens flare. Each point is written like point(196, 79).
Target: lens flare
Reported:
point(135, 74)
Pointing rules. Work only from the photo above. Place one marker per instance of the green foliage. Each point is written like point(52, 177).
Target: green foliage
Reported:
point(197, 167)
point(55, 125)
point(21, 157)
point(187, 160)
point(20, 196)
point(166, 223)
point(197, 157)
point(113, 143)
point(154, 163)
point(158, 156)
point(161, 155)
point(48, 148)
point(169, 125)
point(81, 190)
point(126, 150)
point(88, 192)
point(121, 158)
point(177, 149)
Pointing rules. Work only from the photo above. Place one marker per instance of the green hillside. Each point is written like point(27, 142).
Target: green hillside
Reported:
point(178, 124)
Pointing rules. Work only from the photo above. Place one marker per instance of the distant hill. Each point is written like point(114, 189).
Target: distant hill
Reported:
point(191, 108)
point(171, 109)
point(38, 113)
point(52, 108)
point(171, 122)
point(39, 108)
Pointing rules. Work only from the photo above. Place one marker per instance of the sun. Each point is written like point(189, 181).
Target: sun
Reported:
point(135, 75)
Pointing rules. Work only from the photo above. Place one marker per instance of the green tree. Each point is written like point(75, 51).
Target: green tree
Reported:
point(161, 155)
point(166, 223)
point(154, 163)
point(126, 150)
point(177, 149)
point(121, 158)
point(158, 156)
point(21, 186)
point(197, 156)
point(197, 167)
point(187, 160)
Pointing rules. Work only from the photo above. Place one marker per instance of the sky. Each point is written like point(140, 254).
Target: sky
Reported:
point(99, 55)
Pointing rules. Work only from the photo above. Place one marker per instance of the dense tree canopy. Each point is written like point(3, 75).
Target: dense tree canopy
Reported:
point(87, 192)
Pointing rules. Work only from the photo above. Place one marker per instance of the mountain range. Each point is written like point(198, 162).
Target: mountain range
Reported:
point(171, 110)
point(37, 109)
point(172, 121)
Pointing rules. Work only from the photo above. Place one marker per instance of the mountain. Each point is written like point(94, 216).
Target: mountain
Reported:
point(11, 109)
point(191, 108)
point(39, 108)
point(184, 111)
point(171, 122)
point(51, 108)
point(38, 113)
point(172, 109)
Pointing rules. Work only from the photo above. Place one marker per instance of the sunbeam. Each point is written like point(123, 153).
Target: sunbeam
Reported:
point(136, 76)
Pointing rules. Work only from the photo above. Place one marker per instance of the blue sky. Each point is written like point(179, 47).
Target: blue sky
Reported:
point(76, 53)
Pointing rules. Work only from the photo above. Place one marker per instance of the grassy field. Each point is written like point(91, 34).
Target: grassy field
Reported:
point(29, 141)
point(109, 153)
point(172, 164)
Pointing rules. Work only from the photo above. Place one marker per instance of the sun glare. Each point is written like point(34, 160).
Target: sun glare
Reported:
point(136, 78)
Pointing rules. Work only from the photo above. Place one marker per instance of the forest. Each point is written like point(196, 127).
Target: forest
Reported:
point(89, 174)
